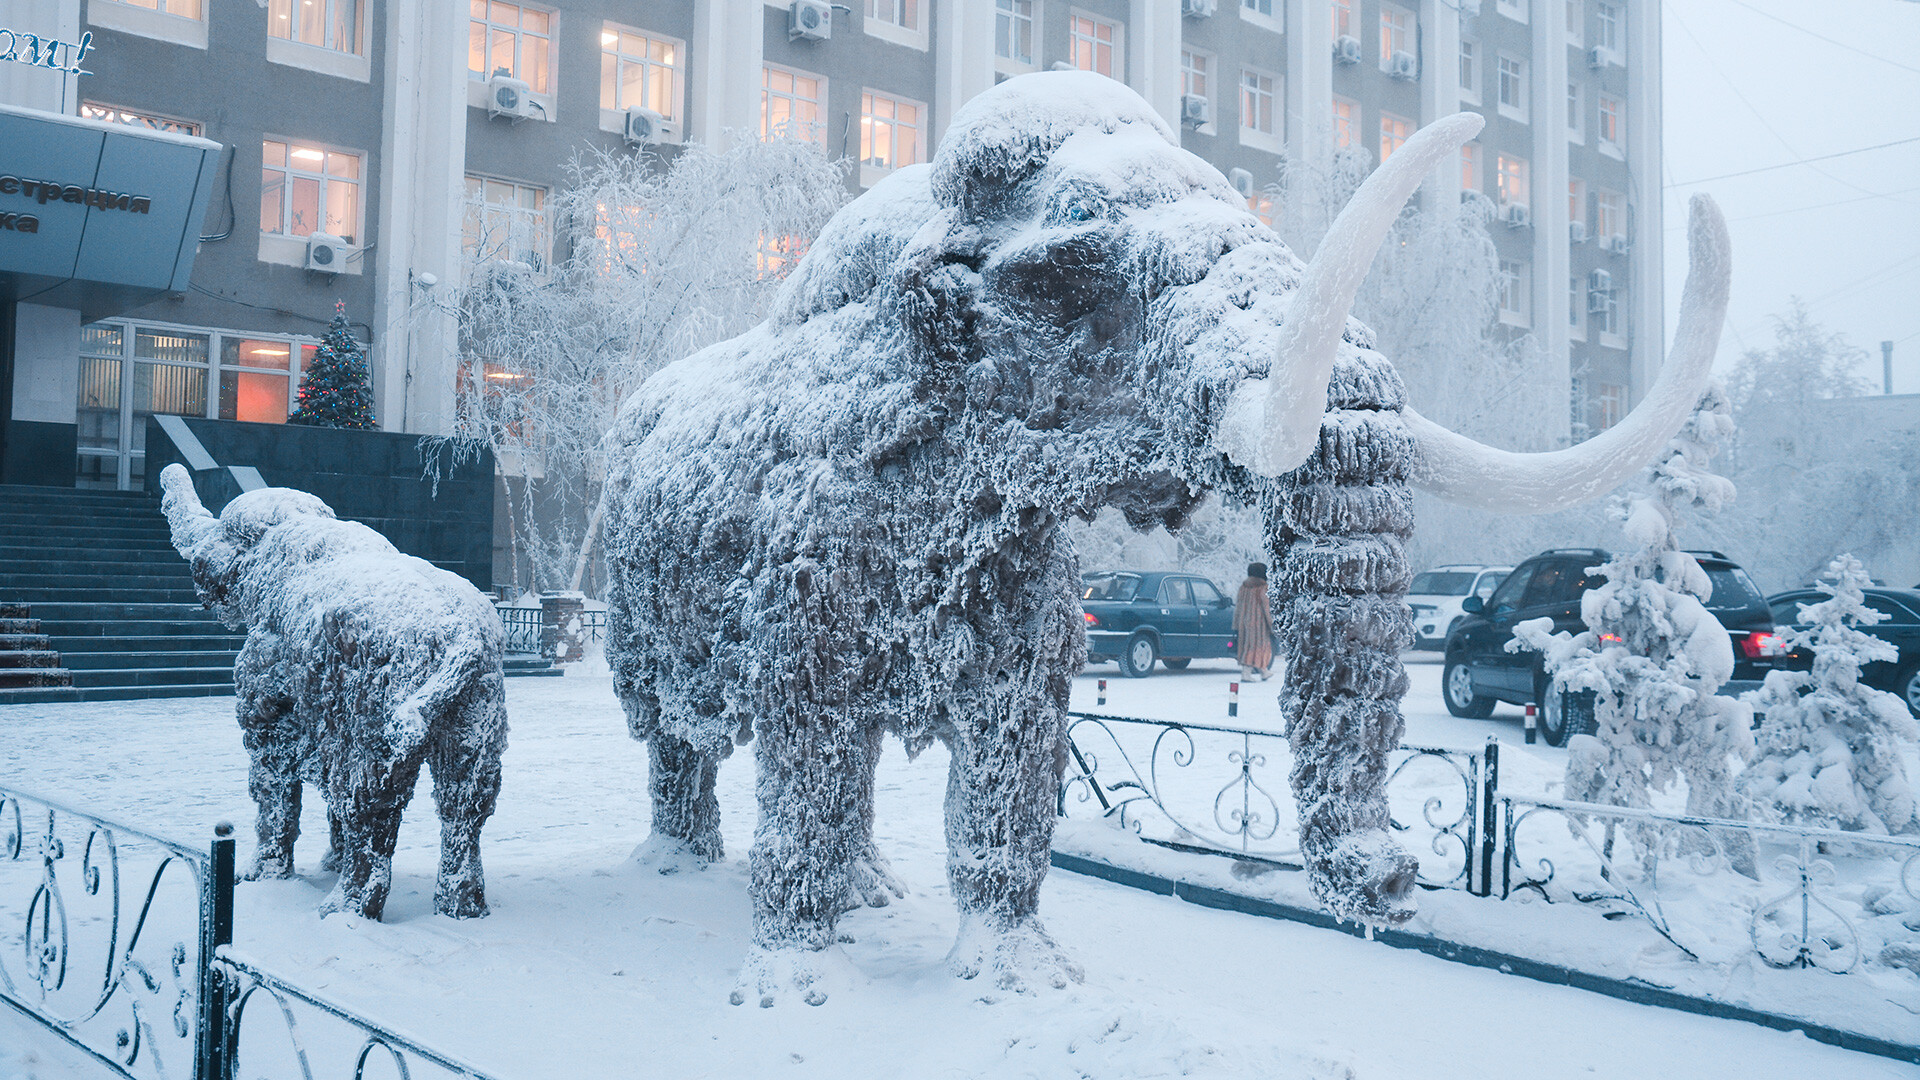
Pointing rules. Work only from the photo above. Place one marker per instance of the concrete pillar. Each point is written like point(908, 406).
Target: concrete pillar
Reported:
point(729, 50)
point(962, 61)
point(1646, 311)
point(1153, 55)
point(1551, 254)
point(563, 635)
point(1309, 48)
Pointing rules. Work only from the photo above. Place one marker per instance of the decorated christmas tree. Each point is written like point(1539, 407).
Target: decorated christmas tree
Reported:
point(335, 390)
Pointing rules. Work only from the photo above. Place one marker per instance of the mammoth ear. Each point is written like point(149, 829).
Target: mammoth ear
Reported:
point(937, 284)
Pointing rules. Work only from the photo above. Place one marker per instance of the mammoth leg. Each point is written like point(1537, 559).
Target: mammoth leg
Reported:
point(870, 880)
point(465, 762)
point(368, 791)
point(686, 813)
point(1336, 531)
point(276, 751)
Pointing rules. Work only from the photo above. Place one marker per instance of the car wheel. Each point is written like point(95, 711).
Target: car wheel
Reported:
point(1137, 661)
point(1456, 685)
point(1563, 713)
point(1907, 684)
point(1179, 664)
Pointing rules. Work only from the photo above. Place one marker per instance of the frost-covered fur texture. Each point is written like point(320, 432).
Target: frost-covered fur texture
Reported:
point(360, 665)
point(849, 521)
point(1830, 747)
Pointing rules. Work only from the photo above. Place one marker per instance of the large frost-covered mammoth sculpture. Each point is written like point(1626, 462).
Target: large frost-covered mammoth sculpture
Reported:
point(360, 664)
point(850, 520)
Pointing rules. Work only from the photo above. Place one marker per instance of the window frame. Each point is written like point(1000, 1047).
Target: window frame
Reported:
point(1522, 179)
point(1610, 30)
point(1577, 25)
point(1006, 11)
point(1612, 329)
point(872, 174)
point(1517, 10)
point(1347, 123)
point(360, 181)
point(330, 23)
point(1472, 60)
point(1576, 113)
point(1209, 76)
point(1343, 12)
point(1388, 32)
point(1386, 119)
point(1606, 206)
point(542, 229)
point(1269, 19)
point(520, 36)
point(1472, 167)
point(151, 22)
point(613, 112)
point(1268, 139)
point(1523, 110)
point(912, 36)
point(1609, 404)
point(1615, 147)
point(1576, 306)
point(1117, 48)
point(1516, 284)
point(818, 132)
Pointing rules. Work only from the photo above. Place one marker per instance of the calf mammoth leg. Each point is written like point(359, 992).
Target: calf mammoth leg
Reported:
point(368, 790)
point(686, 814)
point(465, 762)
point(276, 751)
point(870, 880)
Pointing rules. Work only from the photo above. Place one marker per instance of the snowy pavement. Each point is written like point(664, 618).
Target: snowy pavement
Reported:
point(591, 967)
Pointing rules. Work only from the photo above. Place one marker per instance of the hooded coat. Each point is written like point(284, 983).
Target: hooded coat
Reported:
point(1253, 625)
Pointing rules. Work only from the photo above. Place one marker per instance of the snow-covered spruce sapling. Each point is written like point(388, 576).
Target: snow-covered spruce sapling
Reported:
point(336, 389)
point(1830, 747)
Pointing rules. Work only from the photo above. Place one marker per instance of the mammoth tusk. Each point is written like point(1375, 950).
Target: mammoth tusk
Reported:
point(187, 518)
point(1270, 425)
point(1461, 470)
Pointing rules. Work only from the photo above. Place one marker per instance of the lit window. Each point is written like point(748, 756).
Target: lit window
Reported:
point(1193, 73)
point(308, 189)
point(1512, 181)
point(1513, 87)
point(639, 71)
point(1513, 9)
point(505, 220)
point(1607, 21)
point(1261, 204)
point(791, 103)
point(902, 13)
point(325, 24)
point(1576, 114)
point(1613, 119)
point(1577, 23)
point(255, 379)
point(1095, 43)
point(1610, 212)
point(889, 130)
point(1013, 30)
point(93, 110)
point(1470, 70)
point(1576, 309)
point(1256, 103)
point(1610, 405)
point(1342, 19)
point(510, 39)
point(1470, 167)
point(1396, 34)
point(1394, 132)
point(1516, 281)
point(1577, 202)
point(1346, 123)
point(186, 9)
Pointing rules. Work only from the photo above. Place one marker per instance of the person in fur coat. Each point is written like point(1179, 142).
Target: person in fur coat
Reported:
point(1253, 625)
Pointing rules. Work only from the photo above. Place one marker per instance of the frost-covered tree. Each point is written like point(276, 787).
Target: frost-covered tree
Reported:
point(659, 258)
point(1830, 747)
point(1652, 654)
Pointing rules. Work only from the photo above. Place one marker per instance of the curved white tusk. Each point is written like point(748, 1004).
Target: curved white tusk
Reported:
point(1461, 470)
point(1271, 425)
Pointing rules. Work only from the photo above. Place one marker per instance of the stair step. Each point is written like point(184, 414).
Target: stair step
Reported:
point(9, 642)
point(21, 625)
point(65, 612)
point(11, 610)
point(13, 535)
point(109, 693)
point(28, 658)
point(31, 677)
point(47, 598)
point(47, 571)
point(196, 638)
point(172, 676)
point(156, 658)
point(98, 551)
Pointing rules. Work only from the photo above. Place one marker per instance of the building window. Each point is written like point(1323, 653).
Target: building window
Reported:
point(1394, 132)
point(1607, 21)
point(1346, 123)
point(186, 9)
point(1577, 23)
point(325, 24)
point(256, 383)
point(1576, 309)
point(1258, 7)
point(1610, 214)
point(1013, 31)
point(1470, 70)
point(1257, 112)
point(1095, 45)
point(1342, 19)
point(513, 40)
point(1513, 88)
point(904, 14)
point(1612, 335)
point(1613, 119)
point(1512, 9)
point(1576, 114)
point(506, 221)
point(1512, 181)
point(791, 103)
point(639, 71)
point(309, 189)
point(93, 110)
point(1396, 34)
point(1470, 167)
point(889, 132)
point(1193, 73)
point(1516, 282)
point(1610, 405)
point(1577, 204)
point(1261, 204)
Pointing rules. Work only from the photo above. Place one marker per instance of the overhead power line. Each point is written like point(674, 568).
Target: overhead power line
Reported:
point(1825, 38)
point(1801, 161)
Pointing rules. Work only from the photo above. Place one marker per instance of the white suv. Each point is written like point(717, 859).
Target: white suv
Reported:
point(1435, 597)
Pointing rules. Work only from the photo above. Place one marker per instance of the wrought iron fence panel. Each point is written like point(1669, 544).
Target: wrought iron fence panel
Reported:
point(523, 628)
point(593, 626)
point(1225, 790)
point(1790, 884)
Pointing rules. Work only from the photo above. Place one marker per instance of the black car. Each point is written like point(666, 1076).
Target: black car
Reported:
point(1139, 617)
point(1480, 671)
point(1900, 628)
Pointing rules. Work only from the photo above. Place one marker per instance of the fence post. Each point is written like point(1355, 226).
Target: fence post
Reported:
point(1489, 797)
point(1233, 701)
point(215, 1043)
point(1532, 722)
point(1102, 702)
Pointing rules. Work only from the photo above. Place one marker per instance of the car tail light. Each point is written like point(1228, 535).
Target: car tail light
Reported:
point(1611, 639)
point(1089, 616)
point(1763, 643)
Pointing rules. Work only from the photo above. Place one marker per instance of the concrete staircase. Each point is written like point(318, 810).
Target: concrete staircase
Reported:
point(114, 605)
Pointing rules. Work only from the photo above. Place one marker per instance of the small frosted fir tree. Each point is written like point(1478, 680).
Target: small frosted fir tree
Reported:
point(1829, 750)
point(1652, 653)
point(335, 390)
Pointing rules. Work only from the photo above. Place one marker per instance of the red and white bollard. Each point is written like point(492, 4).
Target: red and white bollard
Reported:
point(1532, 719)
point(1102, 702)
point(1233, 700)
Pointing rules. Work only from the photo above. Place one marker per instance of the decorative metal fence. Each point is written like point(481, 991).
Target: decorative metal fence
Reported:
point(118, 941)
point(523, 628)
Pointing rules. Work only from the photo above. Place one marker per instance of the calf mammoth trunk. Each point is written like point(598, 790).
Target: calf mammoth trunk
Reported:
point(188, 520)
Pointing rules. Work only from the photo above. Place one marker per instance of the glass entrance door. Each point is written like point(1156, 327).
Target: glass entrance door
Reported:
point(126, 375)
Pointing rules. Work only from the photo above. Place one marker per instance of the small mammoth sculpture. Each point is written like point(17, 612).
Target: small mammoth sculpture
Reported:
point(360, 665)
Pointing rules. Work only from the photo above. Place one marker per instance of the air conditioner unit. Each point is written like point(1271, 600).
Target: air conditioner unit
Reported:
point(1599, 303)
point(327, 253)
point(1618, 244)
point(1195, 110)
point(644, 126)
point(1577, 231)
point(508, 96)
point(1597, 57)
point(1196, 9)
point(1242, 182)
point(1403, 66)
point(810, 20)
point(1516, 215)
point(1346, 49)
point(1599, 281)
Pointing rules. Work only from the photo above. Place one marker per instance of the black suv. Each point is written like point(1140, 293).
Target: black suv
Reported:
point(1480, 671)
point(1900, 628)
point(1137, 618)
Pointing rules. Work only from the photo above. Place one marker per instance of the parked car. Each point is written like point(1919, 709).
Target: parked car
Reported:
point(1436, 595)
point(1480, 671)
point(1138, 617)
point(1901, 629)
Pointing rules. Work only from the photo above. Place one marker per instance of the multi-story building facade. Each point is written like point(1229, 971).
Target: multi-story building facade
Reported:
point(377, 137)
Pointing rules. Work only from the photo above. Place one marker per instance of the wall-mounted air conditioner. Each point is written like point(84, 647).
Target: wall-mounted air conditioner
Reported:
point(644, 127)
point(810, 20)
point(1242, 182)
point(1599, 281)
point(508, 96)
point(1195, 110)
point(1516, 215)
point(1597, 57)
point(1346, 49)
point(327, 253)
point(1196, 9)
point(1577, 231)
point(1618, 244)
point(1402, 65)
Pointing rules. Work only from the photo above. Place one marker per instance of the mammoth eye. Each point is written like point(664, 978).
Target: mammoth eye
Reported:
point(1080, 206)
point(1081, 210)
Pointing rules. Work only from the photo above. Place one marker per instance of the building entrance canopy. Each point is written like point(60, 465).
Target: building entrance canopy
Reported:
point(98, 217)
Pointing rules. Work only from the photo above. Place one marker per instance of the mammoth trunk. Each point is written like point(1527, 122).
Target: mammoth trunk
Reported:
point(1336, 531)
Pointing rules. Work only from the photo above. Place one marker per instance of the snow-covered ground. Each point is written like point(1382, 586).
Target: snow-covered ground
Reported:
point(591, 967)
